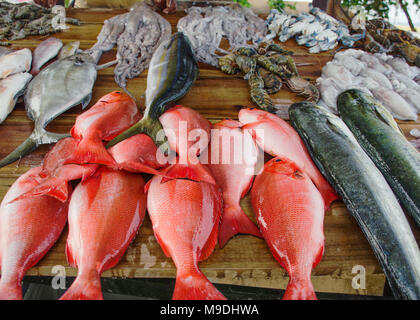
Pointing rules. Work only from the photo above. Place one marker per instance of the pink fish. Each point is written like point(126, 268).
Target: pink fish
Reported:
point(44, 52)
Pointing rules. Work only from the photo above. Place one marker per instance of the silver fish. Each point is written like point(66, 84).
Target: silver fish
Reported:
point(44, 52)
point(15, 62)
point(60, 86)
point(10, 89)
point(69, 49)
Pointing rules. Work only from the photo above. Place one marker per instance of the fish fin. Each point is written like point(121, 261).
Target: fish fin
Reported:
point(54, 187)
point(192, 171)
point(90, 150)
point(162, 245)
point(84, 289)
point(299, 290)
point(328, 194)
point(10, 291)
point(85, 101)
point(193, 285)
point(234, 221)
point(210, 244)
point(138, 167)
point(69, 255)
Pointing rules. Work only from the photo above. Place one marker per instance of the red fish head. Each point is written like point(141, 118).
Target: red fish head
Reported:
point(284, 166)
point(115, 96)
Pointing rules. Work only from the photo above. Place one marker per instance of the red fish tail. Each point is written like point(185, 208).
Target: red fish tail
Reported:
point(84, 288)
point(234, 221)
point(10, 290)
point(193, 285)
point(329, 195)
point(91, 151)
point(298, 289)
point(54, 187)
point(192, 171)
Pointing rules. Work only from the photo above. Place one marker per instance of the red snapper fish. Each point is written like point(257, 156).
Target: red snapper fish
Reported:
point(290, 212)
point(105, 214)
point(279, 139)
point(232, 161)
point(28, 229)
point(185, 215)
point(111, 115)
point(188, 133)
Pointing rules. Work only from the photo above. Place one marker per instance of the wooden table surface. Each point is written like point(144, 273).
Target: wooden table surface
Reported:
point(245, 260)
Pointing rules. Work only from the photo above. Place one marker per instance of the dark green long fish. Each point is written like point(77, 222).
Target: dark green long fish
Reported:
point(379, 135)
point(172, 71)
point(365, 193)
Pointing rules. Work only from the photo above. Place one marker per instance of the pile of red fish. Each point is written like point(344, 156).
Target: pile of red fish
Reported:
point(193, 203)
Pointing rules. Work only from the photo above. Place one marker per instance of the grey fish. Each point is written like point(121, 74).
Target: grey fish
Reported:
point(60, 86)
point(381, 138)
point(172, 71)
point(365, 193)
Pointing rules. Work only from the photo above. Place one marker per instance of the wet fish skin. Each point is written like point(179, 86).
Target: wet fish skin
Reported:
point(29, 228)
point(365, 193)
point(379, 135)
point(69, 49)
point(105, 213)
point(76, 76)
point(172, 71)
point(10, 89)
point(15, 62)
point(44, 52)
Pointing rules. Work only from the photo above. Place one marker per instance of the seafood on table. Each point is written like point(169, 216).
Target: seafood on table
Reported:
point(314, 29)
point(284, 199)
point(277, 138)
point(75, 76)
point(69, 49)
point(172, 72)
point(365, 193)
point(379, 135)
point(207, 26)
point(266, 68)
point(233, 161)
point(28, 229)
point(11, 88)
point(20, 20)
point(44, 52)
point(15, 62)
point(137, 35)
point(185, 215)
point(105, 213)
point(389, 79)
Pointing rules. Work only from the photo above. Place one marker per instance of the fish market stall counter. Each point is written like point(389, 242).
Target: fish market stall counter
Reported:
point(245, 260)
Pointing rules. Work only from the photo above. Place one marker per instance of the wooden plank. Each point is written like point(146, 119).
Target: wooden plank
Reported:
point(245, 260)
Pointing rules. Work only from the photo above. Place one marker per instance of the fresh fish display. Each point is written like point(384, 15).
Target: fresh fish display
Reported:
point(44, 52)
point(69, 49)
point(379, 135)
point(314, 29)
point(172, 71)
point(105, 214)
point(111, 115)
point(284, 198)
point(365, 193)
point(137, 35)
point(11, 88)
point(207, 26)
point(179, 125)
point(28, 229)
point(15, 62)
point(75, 77)
point(233, 162)
point(185, 215)
point(20, 20)
point(277, 138)
point(388, 79)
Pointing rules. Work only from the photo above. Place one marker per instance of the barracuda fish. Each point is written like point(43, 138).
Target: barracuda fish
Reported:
point(365, 193)
point(75, 77)
point(172, 71)
point(380, 137)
